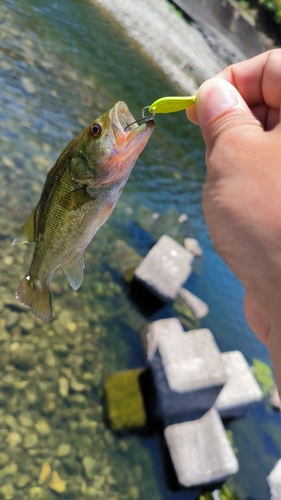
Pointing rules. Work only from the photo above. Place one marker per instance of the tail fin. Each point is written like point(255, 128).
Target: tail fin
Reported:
point(39, 300)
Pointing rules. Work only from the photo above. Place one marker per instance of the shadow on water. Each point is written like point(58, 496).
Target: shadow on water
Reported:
point(62, 64)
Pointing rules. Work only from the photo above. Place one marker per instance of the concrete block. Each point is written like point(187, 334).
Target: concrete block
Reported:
point(187, 368)
point(193, 246)
point(200, 451)
point(241, 390)
point(197, 306)
point(274, 481)
point(165, 268)
point(124, 401)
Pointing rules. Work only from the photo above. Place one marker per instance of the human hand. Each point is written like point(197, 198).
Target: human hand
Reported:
point(239, 116)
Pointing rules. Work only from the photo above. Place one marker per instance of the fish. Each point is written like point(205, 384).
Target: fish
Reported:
point(80, 192)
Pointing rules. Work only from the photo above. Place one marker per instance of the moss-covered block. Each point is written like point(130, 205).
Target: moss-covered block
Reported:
point(124, 401)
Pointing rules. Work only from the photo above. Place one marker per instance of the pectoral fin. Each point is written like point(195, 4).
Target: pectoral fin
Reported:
point(75, 199)
point(28, 230)
point(74, 272)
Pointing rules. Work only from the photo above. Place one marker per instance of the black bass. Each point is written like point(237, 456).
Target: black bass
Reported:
point(79, 194)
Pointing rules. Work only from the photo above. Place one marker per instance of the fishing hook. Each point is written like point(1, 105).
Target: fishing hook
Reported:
point(144, 118)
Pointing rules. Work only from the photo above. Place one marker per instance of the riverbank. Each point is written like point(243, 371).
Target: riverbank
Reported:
point(188, 49)
point(173, 43)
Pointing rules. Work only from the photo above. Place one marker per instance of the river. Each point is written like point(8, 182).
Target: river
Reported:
point(61, 65)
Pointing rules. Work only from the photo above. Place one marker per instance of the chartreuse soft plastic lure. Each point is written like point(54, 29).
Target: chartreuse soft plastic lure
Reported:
point(171, 104)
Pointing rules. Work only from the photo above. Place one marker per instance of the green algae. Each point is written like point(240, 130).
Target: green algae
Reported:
point(124, 402)
point(184, 314)
point(264, 376)
point(224, 493)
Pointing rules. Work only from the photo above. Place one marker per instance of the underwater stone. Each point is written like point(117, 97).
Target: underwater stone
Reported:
point(26, 323)
point(23, 357)
point(124, 402)
point(165, 268)
point(13, 439)
point(193, 246)
point(200, 451)
point(30, 440)
point(25, 421)
point(274, 481)
point(12, 319)
point(22, 480)
point(57, 484)
point(90, 467)
point(7, 491)
point(63, 450)
point(42, 427)
point(63, 387)
point(197, 306)
point(241, 390)
point(48, 404)
point(187, 368)
point(35, 492)
point(44, 473)
point(77, 386)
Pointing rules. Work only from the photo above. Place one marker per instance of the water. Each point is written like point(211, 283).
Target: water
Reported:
point(62, 64)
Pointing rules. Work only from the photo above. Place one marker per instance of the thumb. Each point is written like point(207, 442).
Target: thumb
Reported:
point(220, 107)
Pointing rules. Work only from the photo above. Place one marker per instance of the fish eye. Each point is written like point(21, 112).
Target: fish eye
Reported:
point(95, 130)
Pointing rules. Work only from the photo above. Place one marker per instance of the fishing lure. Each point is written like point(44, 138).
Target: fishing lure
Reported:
point(171, 104)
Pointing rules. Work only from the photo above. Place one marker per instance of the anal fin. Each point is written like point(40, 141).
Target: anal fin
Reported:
point(28, 230)
point(74, 271)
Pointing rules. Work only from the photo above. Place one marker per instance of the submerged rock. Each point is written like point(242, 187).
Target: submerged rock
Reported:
point(22, 481)
point(30, 440)
point(57, 484)
point(63, 387)
point(48, 404)
point(90, 467)
point(193, 246)
point(44, 473)
point(7, 491)
point(63, 450)
point(42, 427)
point(24, 357)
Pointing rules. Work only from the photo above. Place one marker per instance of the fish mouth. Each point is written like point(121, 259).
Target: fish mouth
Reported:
point(125, 128)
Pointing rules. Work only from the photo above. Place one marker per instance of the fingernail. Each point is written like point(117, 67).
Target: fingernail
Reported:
point(214, 97)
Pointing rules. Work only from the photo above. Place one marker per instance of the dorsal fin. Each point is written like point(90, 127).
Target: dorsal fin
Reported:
point(74, 271)
point(28, 230)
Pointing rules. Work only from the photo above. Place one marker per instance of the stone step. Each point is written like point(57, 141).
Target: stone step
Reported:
point(187, 368)
point(200, 451)
point(241, 390)
point(165, 268)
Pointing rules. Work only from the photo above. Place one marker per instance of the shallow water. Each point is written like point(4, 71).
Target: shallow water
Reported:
point(61, 65)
